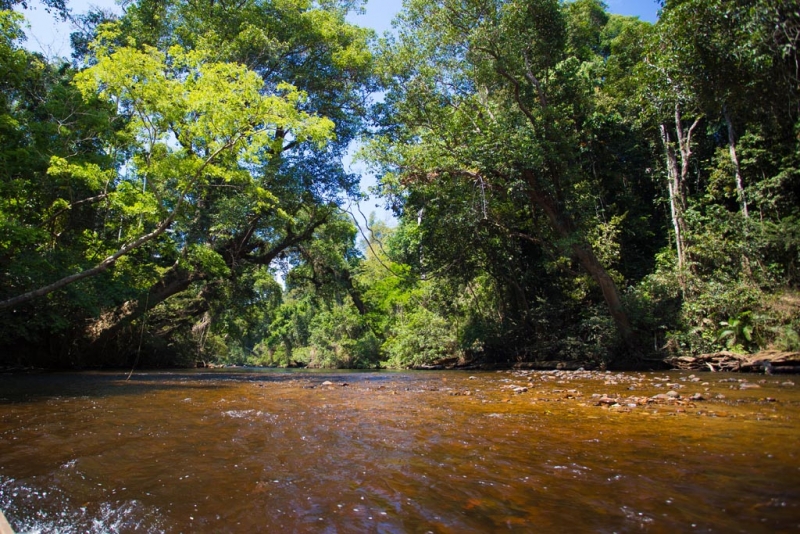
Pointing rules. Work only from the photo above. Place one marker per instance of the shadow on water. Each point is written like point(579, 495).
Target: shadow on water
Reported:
point(33, 387)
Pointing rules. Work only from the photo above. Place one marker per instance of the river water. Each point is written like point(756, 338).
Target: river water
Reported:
point(451, 452)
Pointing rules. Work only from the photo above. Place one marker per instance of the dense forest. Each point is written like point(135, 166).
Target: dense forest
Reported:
point(569, 184)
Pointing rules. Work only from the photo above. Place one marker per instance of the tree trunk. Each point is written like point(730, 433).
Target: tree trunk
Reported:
point(563, 226)
point(355, 294)
point(592, 265)
point(97, 269)
point(676, 202)
point(677, 181)
point(109, 324)
point(559, 220)
point(737, 170)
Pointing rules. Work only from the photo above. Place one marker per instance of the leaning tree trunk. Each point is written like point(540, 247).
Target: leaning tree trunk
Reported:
point(563, 226)
point(599, 274)
point(106, 327)
point(109, 325)
point(97, 269)
point(124, 250)
point(559, 219)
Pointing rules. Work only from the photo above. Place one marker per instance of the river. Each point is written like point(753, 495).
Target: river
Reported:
point(444, 452)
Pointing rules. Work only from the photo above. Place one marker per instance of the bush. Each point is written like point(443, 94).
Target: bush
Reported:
point(340, 338)
point(420, 337)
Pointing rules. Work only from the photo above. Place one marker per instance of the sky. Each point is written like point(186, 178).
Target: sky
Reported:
point(381, 12)
point(51, 37)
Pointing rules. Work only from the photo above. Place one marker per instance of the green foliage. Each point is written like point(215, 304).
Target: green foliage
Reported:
point(288, 330)
point(737, 332)
point(787, 338)
point(340, 338)
point(208, 170)
point(420, 338)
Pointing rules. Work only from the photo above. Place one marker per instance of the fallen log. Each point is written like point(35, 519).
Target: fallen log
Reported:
point(771, 361)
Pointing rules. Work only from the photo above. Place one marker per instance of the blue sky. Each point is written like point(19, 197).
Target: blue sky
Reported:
point(381, 12)
point(51, 38)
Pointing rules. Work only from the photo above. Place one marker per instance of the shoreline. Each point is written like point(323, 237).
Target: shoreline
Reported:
point(764, 362)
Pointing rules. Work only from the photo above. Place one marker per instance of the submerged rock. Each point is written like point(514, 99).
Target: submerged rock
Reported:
point(748, 385)
point(606, 400)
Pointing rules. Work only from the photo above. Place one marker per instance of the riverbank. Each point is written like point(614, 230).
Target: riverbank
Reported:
point(765, 362)
point(769, 362)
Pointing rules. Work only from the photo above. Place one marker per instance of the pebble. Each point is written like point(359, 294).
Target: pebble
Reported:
point(605, 400)
point(621, 397)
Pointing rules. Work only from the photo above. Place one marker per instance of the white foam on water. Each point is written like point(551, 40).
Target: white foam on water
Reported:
point(24, 505)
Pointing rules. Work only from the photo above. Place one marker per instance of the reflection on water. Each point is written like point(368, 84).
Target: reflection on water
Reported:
point(251, 451)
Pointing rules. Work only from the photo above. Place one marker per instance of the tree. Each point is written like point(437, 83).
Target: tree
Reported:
point(194, 124)
point(715, 82)
point(736, 59)
point(44, 216)
point(327, 59)
point(187, 225)
point(487, 92)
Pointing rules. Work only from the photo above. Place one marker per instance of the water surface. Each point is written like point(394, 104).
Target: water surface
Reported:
point(450, 452)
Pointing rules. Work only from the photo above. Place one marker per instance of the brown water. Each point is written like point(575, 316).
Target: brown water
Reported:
point(249, 451)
